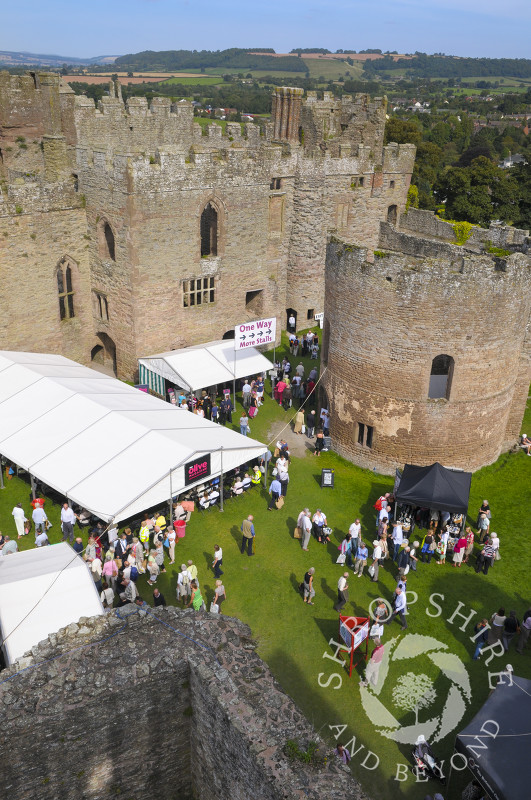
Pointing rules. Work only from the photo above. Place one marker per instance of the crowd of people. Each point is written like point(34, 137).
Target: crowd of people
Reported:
point(446, 534)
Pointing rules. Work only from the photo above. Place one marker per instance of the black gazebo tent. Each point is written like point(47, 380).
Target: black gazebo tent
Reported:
point(497, 741)
point(434, 487)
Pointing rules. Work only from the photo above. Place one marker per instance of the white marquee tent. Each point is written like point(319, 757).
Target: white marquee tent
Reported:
point(197, 367)
point(112, 449)
point(57, 580)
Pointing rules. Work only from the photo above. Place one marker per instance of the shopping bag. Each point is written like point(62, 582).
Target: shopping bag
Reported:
point(214, 608)
point(371, 570)
point(303, 428)
point(342, 557)
point(297, 533)
point(280, 502)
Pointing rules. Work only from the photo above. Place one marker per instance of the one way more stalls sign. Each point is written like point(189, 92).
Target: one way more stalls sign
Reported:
point(252, 334)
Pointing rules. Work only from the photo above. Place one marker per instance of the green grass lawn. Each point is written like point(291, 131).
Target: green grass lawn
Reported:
point(293, 637)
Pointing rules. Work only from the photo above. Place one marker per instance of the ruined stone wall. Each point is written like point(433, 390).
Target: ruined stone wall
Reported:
point(137, 708)
point(387, 322)
point(424, 223)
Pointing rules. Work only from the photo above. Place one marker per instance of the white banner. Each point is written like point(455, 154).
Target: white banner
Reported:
point(252, 334)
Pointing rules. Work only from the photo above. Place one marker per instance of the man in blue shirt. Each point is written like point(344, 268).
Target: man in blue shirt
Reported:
point(361, 559)
point(274, 490)
point(399, 608)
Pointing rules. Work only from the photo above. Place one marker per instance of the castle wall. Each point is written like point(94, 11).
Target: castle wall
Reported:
point(148, 172)
point(389, 319)
point(32, 242)
point(127, 706)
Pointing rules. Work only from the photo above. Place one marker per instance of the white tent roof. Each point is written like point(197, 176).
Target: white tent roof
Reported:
point(56, 581)
point(208, 364)
point(103, 444)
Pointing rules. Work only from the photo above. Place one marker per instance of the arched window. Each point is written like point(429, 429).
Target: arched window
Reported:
point(392, 215)
point(65, 289)
point(209, 231)
point(106, 241)
point(442, 368)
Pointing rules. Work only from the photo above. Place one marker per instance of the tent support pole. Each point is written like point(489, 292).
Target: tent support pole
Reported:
point(171, 502)
point(32, 480)
point(221, 479)
point(234, 380)
point(2, 485)
point(449, 775)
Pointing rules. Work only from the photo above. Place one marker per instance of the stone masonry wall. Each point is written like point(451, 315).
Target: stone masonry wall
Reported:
point(69, 168)
point(177, 709)
point(390, 318)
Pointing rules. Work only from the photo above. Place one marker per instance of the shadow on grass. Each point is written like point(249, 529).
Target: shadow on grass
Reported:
point(236, 534)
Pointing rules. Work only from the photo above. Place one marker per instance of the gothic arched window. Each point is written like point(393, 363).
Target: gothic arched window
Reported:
point(65, 289)
point(209, 231)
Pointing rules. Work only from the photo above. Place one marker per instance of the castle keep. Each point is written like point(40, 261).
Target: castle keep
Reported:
point(428, 344)
point(127, 230)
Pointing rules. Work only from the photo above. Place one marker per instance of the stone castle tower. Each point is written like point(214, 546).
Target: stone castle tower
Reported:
point(127, 230)
point(428, 344)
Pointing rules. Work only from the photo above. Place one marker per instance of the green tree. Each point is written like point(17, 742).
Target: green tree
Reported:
point(402, 131)
point(522, 174)
point(479, 193)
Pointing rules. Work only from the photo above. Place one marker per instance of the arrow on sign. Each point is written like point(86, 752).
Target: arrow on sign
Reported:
point(251, 336)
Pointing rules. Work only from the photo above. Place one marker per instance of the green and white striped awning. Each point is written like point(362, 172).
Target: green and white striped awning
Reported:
point(155, 382)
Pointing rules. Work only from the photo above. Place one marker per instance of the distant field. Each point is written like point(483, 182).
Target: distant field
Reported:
point(190, 80)
point(331, 70)
point(336, 56)
point(143, 77)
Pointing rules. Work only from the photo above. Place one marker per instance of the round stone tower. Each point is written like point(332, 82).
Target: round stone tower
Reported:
point(426, 354)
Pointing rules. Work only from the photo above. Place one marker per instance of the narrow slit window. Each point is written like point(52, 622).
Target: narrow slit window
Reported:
point(442, 368)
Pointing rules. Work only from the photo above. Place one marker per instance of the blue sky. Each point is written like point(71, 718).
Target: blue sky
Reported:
point(457, 27)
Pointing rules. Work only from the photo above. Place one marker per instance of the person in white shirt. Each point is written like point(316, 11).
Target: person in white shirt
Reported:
point(183, 583)
point(354, 531)
point(41, 539)
point(376, 556)
point(107, 595)
point(495, 544)
point(40, 519)
point(246, 394)
point(282, 464)
point(68, 519)
point(304, 522)
point(342, 592)
point(398, 538)
point(20, 518)
point(237, 487)
point(399, 608)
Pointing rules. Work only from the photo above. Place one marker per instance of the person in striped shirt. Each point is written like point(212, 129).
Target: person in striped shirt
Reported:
point(486, 558)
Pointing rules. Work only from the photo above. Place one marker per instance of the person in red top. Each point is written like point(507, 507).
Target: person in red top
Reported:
point(279, 391)
point(373, 667)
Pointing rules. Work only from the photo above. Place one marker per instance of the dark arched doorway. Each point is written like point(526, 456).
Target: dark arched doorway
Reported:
point(228, 334)
point(392, 215)
point(103, 356)
point(291, 320)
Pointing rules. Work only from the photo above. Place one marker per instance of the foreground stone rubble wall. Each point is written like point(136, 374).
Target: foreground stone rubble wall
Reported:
point(131, 707)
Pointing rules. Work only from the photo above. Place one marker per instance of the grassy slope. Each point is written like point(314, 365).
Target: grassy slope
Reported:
point(292, 637)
